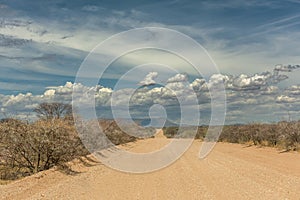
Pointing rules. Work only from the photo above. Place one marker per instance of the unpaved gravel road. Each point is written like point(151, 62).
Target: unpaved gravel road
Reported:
point(231, 171)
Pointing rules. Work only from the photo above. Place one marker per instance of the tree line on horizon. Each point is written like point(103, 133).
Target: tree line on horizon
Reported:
point(282, 135)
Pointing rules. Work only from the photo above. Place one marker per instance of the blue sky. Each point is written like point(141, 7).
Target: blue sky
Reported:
point(43, 43)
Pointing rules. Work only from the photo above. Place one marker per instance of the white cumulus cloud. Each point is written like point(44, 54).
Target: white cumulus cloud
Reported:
point(149, 79)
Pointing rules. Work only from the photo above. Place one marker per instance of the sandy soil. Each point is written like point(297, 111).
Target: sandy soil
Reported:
point(231, 171)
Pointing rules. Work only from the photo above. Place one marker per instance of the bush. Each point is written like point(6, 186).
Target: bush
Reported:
point(291, 135)
point(114, 133)
point(283, 134)
point(170, 132)
point(29, 148)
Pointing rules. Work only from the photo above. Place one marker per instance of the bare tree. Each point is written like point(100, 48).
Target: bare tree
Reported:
point(53, 110)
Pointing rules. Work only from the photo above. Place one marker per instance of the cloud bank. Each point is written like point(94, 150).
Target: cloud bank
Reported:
point(248, 97)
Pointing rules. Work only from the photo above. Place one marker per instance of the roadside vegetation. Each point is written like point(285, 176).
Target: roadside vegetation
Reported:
point(283, 135)
point(30, 147)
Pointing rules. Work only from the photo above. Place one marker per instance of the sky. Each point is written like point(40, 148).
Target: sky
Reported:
point(254, 44)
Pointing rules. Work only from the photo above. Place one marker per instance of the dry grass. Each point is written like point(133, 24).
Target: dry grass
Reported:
point(283, 135)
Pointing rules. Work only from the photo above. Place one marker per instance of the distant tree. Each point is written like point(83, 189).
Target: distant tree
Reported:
point(53, 110)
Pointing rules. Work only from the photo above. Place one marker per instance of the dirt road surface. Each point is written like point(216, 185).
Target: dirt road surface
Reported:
point(231, 171)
